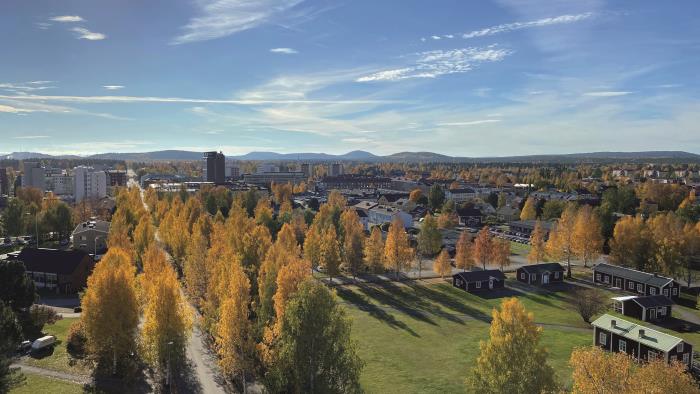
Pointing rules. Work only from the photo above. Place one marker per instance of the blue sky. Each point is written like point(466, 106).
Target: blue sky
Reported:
point(468, 78)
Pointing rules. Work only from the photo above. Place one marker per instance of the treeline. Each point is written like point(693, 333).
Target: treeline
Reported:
point(32, 212)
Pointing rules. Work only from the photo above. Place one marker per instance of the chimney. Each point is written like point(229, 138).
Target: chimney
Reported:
point(656, 274)
point(613, 323)
point(641, 333)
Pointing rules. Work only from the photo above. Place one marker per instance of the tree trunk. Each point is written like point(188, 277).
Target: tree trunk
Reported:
point(568, 265)
point(114, 361)
point(420, 266)
point(245, 388)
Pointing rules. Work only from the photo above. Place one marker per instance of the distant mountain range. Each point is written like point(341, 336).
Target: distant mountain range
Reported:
point(358, 155)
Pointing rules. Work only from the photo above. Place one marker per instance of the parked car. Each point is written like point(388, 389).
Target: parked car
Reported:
point(24, 346)
point(64, 242)
point(77, 309)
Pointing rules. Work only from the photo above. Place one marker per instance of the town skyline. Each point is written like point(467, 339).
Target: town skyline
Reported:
point(497, 78)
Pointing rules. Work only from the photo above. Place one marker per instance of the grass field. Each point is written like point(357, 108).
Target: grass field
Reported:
point(37, 384)
point(519, 249)
point(59, 360)
point(425, 338)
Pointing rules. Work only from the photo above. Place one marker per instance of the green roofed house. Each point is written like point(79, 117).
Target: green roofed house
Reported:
point(617, 335)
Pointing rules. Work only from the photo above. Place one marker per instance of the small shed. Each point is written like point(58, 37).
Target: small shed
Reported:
point(649, 308)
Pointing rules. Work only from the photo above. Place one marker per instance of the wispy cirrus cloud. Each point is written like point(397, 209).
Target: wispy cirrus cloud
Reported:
point(221, 18)
point(470, 122)
point(147, 99)
point(31, 137)
point(85, 34)
point(607, 93)
point(67, 19)
point(509, 27)
point(26, 86)
point(113, 87)
point(432, 64)
point(286, 51)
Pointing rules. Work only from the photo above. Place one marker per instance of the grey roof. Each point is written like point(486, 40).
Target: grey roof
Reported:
point(649, 337)
point(478, 276)
point(97, 225)
point(541, 268)
point(628, 273)
point(653, 301)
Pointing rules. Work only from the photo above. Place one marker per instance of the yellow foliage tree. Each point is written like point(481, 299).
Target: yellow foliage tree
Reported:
point(166, 320)
point(110, 308)
point(529, 211)
point(588, 236)
point(483, 247)
point(442, 266)
point(374, 251)
point(353, 237)
point(537, 245)
point(397, 252)
point(512, 360)
point(560, 245)
point(330, 253)
point(500, 252)
point(464, 256)
point(234, 339)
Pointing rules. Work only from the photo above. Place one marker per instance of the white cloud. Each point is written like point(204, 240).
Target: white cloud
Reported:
point(607, 93)
point(12, 110)
point(67, 18)
point(432, 64)
point(286, 51)
point(470, 122)
point(142, 99)
point(435, 37)
point(31, 137)
point(83, 33)
point(357, 140)
point(26, 86)
point(221, 18)
point(508, 27)
point(113, 87)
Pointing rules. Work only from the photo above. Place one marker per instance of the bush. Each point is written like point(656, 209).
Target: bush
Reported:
point(76, 341)
point(34, 320)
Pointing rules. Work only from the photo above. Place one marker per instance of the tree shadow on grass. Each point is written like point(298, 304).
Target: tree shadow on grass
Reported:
point(362, 303)
point(399, 298)
point(446, 300)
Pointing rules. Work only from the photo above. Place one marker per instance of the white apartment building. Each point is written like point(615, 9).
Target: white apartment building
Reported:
point(89, 183)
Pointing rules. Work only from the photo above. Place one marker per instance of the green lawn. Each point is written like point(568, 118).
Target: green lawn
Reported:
point(519, 249)
point(59, 360)
point(424, 338)
point(37, 384)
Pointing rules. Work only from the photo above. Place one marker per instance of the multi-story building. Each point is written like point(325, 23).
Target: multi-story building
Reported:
point(264, 168)
point(214, 167)
point(266, 178)
point(350, 182)
point(60, 184)
point(4, 183)
point(34, 175)
point(307, 169)
point(336, 169)
point(232, 171)
point(116, 178)
point(89, 183)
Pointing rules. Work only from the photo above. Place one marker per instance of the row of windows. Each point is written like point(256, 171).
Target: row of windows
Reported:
point(534, 276)
point(630, 285)
point(651, 355)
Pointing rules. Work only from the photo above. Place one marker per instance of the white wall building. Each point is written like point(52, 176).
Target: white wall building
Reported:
point(89, 183)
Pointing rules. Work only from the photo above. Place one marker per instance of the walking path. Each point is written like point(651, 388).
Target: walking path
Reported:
point(53, 374)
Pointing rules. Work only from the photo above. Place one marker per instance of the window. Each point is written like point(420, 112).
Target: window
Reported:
point(556, 275)
point(602, 338)
point(652, 355)
point(652, 290)
point(630, 285)
point(597, 277)
point(662, 311)
point(533, 277)
point(622, 346)
point(666, 292)
point(640, 288)
point(675, 291)
point(607, 279)
point(522, 275)
point(686, 358)
point(679, 347)
point(478, 285)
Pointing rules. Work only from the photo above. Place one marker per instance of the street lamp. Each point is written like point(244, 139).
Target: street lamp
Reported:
point(36, 227)
point(169, 378)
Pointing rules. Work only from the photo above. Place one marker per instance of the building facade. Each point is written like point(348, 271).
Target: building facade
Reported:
point(634, 281)
point(34, 175)
point(214, 169)
point(89, 183)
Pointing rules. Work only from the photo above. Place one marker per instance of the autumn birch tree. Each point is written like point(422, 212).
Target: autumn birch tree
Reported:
point(397, 252)
point(464, 256)
point(483, 247)
point(442, 266)
point(512, 360)
point(560, 245)
point(537, 245)
point(587, 238)
point(374, 251)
